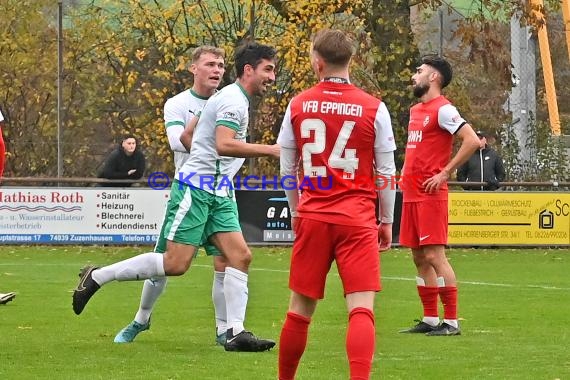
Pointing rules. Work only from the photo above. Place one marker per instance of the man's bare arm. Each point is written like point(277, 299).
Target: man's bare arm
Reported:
point(186, 136)
point(469, 144)
point(227, 145)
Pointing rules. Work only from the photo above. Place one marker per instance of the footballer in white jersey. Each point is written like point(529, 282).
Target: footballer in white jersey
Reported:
point(193, 216)
point(206, 169)
point(178, 111)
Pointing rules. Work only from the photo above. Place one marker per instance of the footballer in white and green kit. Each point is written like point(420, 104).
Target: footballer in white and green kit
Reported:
point(202, 200)
point(178, 112)
point(202, 194)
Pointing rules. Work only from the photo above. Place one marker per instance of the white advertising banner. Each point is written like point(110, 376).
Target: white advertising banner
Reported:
point(81, 215)
point(103, 215)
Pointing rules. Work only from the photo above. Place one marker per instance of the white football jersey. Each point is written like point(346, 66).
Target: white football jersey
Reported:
point(206, 169)
point(178, 111)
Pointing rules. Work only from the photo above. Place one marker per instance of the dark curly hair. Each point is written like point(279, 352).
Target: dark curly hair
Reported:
point(441, 65)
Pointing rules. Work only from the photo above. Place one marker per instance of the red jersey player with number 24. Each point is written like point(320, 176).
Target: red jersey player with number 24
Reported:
point(345, 141)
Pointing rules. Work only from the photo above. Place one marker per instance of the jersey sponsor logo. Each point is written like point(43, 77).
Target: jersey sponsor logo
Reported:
point(415, 136)
point(231, 116)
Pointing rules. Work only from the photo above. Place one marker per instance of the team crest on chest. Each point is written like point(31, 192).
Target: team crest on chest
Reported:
point(426, 121)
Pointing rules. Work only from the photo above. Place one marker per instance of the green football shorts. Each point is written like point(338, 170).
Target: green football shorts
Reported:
point(193, 215)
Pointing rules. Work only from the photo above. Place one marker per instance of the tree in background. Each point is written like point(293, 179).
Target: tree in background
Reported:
point(28, 86)
point(124, 58)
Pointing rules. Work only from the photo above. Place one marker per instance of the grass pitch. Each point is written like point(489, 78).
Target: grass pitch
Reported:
point(514, 307)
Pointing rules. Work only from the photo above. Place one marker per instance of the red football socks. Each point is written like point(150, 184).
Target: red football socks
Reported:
point(292, 344)
point(428, 295)
point(448, 295)
point(360, 342)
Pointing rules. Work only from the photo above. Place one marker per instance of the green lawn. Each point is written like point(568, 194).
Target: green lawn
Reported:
point(514, 306)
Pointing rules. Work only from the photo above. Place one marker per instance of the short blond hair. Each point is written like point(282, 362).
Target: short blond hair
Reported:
point(204, 49)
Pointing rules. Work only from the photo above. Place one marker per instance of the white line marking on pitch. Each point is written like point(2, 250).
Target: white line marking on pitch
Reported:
point(389, 278)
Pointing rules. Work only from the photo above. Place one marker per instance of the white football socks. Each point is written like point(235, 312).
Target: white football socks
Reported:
point(451, 322)
point(140, 267)
point(219, 300)
point(235, 289)
point(432, 321)
point(152, 289)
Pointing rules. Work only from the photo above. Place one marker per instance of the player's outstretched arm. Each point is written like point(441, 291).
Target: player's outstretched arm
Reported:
point(228, 145)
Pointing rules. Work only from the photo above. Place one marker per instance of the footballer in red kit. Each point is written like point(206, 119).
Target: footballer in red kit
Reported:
point(342, 139)
point(427, 166)
point(430, 138)
point(336, 145)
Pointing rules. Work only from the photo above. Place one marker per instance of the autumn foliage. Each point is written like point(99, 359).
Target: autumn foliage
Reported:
point(124, 58)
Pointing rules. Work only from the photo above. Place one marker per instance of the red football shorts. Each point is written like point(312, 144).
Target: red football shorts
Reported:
point(423, 223)
point(317, 244)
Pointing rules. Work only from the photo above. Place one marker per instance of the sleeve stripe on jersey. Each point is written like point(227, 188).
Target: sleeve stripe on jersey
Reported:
point(176, 122)
point(228, 124)
point(460, 126)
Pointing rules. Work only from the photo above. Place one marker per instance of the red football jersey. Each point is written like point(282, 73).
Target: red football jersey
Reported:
point(335, 128)
point(430, 140)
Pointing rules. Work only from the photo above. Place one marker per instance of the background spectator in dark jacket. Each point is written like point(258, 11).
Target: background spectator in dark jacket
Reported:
point(125, 162)
point(485, 165)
